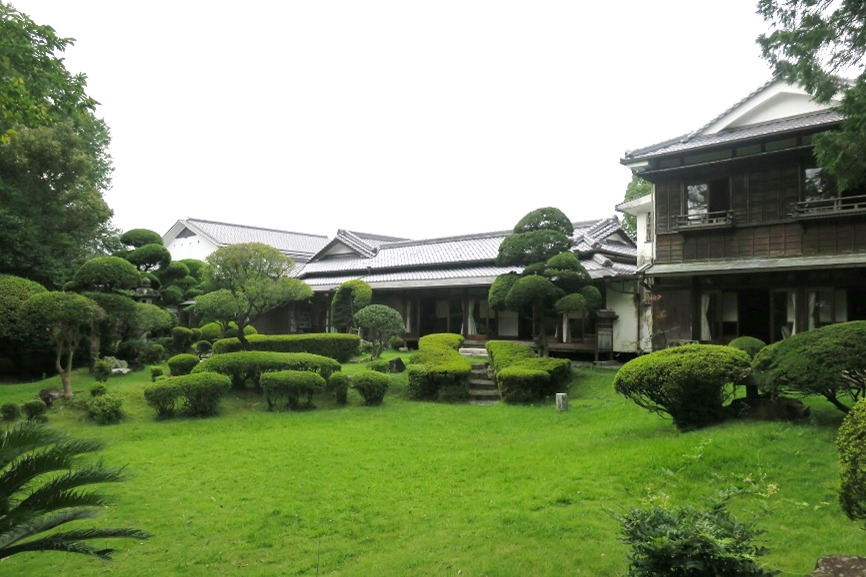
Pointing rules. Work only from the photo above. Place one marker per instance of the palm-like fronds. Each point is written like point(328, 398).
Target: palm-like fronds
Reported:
point(35, 497)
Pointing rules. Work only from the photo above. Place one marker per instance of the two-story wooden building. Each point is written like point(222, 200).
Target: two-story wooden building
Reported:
point(744, 234)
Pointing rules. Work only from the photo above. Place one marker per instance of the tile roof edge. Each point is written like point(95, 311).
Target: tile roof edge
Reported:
point(254, 227)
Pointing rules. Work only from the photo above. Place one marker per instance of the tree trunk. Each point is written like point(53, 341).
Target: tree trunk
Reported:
point(838, 404)
point(64, 375)
point(245, 344)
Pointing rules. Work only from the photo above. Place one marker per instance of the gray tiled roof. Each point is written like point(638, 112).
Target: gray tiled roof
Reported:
point(479, 276)
point(435, 259)
point(299, 245)
point(693, 141)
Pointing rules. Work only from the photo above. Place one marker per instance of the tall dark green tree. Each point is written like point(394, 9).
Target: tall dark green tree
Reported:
point(821, 45)
point(54, 162)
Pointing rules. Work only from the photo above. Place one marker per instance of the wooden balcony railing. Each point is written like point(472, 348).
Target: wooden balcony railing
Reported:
point(719, 218)
point(828, 207)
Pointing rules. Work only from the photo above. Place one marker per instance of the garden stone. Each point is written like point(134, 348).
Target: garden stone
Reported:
point(48, 396)
point(766, 409)
point(840, 566)
point(396, 365)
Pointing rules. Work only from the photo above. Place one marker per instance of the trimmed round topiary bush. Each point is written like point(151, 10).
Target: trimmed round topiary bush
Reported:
point(687, 382)
point(519, 384)
point(102, 370)
point(247, 366)
point(164, 397)
point(379, 366)
point(98, 391)
point(199, 394)
point(749, 345)
point(211, 331)
point(449, 340)
point(35, 410)
point(181, 339)
point(10, 412)
point(291, 389)
point(155, 372)
point(371, 386)
point(104, 409)
point(202, 348)
point(851, 443)
point(182, 364)
point(338, 346)
point(339, 383)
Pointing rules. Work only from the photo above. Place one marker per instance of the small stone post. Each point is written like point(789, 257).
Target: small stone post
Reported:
point(561, 401)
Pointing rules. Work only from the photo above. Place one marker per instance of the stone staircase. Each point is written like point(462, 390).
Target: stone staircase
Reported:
point(482, 389)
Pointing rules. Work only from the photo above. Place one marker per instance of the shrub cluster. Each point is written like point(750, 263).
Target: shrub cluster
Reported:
point(34, 410)
point(851, 443)
point(196, 395)
point(248, 366)
point(372, 386)
point(287, 389)
point(749, 345)
point(337, 346)
point(379, 366)
point(687, 382)
point(182, 364)
point(104, 409)
point(98, 390)
point(690, 542)
point(155, 372)
point(339, 383)
point(522, 377)
point(437, 372)
point(181, 339)
point(102, 370)
point(827, 361)
point(10, 412)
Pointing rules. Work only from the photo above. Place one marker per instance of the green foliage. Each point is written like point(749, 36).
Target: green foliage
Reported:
point(54, 162)
point(104, 409)
point(637, 188)
point(119, 320)
point(102, 370)
point(171, 295)
point(690, 542)
point(232, 332)
point(851, 444)
point(150, 257)
point(45, 490)
point(379, 366)
point(396, 343)
point(506, 353)
point(139, 237)
point(106, 274)
point(687, 382)
point(381, 322)
point(571, 303)
point(547, 218)
point(182, 364)
point(212, 331)
point(155, 372)
point(176, 273)
point(248, 366)
point(34, 410)
point(749, 345)
point(287, 389)
point(819, 44)
point(152, 320)
point(13, 292)
point(339, 383)
point(532, 291)
point(10, 412)
point(531, 247)
point(827, 361)
point(351, 296)
point(338, 346)
point(98, 390)
point(181, 339)
point(67, 319)
point(198, 269)
point(499, 290)
point(198, 395)
point(202, 348)
point(592, 296)
point(565, 271)
point(251, 279)
point(518, 384)
point(559, 371)
point(438, 372)
point(371, 386)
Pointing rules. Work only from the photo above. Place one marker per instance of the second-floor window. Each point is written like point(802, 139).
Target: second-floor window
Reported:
point(708, 196)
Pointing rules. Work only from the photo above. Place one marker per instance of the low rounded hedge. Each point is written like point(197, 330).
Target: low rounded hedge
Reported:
point(182, 364)
point(371, 386)
point(437, 372)
point(339, 383)
point(337, 346)
point(851, 443)
point(286, 389)
point(195, 395)
point(686, 382)
point(505, 353)
point(247, 366)
point(104, 409)
point(750, 345)
point(522, 384)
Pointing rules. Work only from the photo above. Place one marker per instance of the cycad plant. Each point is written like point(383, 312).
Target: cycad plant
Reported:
point(41, 489)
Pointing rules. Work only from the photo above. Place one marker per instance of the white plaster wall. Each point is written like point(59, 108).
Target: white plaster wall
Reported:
point(644, 248)
point(625, 336)
point(190, 247)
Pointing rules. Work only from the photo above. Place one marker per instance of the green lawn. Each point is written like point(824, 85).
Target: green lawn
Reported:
point(426, 489)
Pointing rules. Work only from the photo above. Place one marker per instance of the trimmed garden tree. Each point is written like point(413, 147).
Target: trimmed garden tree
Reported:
point(351, 296)
point(67, 318)
point(382, 322)
point(251, 280)
point(541, 244)
point(14, 331)
point(826, 361)
point(106, 274)
point(851, 443)
point(35, 499)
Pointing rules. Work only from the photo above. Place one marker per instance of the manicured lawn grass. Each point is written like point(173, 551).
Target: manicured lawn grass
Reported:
point(426, 489)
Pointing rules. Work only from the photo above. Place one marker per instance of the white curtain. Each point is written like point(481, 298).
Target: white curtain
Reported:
point(813, 302)
point(472, 328)
point(706, 334)
point(792, 311)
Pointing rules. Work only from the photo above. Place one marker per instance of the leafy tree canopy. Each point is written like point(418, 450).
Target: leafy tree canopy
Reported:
point(106, 274)
point(526, 248)
point(818, 44)
point(54, 164)
point(383, 322)
point(547, 218)
point(13, 292)
point(529, 290)
point(351, 296)
point(637, 188)
point(150, 257)
point(138, 237)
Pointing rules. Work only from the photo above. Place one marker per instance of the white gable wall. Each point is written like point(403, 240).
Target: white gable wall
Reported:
point(190, 247)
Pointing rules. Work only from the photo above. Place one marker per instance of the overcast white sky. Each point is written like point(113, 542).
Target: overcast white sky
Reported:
point(405, 118)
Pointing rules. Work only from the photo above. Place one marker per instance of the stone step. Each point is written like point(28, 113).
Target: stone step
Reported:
point(483, 394)
point(478, 373)
point(479, 366)
point(473, 352)
point(481, 383)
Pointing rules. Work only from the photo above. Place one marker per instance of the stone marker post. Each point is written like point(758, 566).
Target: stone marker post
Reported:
point(561, 401)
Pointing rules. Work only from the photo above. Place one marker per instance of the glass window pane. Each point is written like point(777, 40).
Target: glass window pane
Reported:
point(696, 195)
